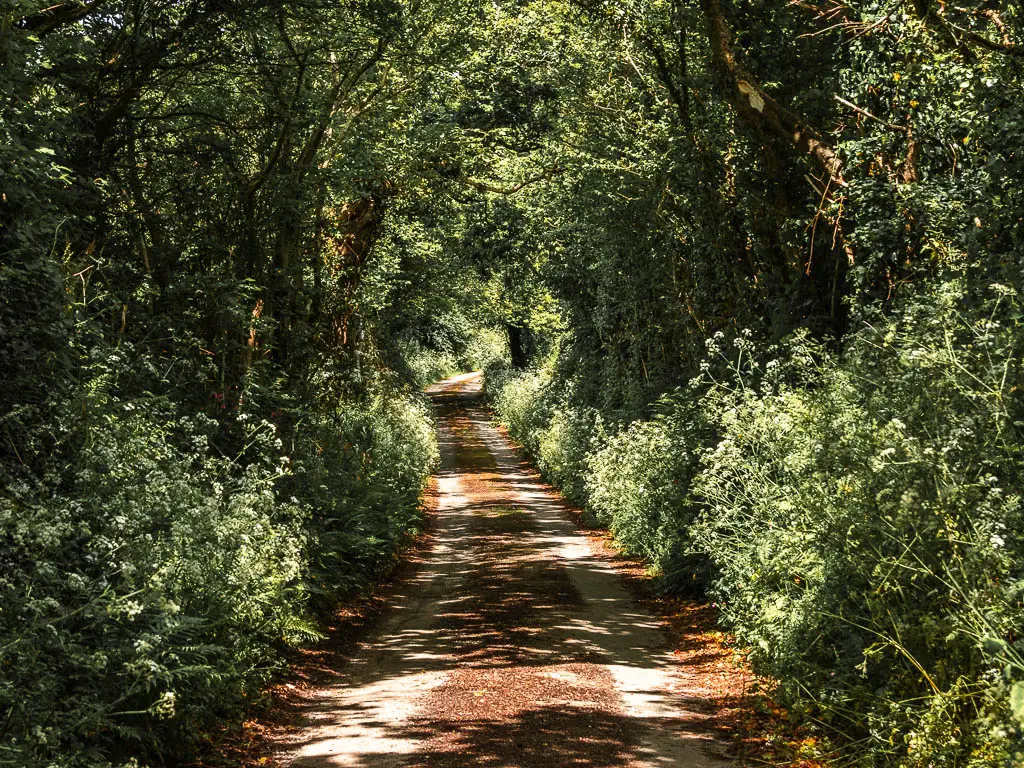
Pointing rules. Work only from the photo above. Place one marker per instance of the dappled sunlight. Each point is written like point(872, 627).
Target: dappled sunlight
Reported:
point(515, 643)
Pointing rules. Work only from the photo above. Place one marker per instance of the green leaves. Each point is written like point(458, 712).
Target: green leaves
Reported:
point(217, 226)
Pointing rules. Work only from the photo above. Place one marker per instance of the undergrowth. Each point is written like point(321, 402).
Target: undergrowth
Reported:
point(150, 579)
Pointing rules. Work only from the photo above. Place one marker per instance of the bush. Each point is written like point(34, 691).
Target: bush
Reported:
point(857, 516)
point(639, 487)
point(423, 365)
point(146, 596)
point(485, 347)
point(636, 482)
point(563, 447)
point(361, 469)
point(557, 435)
point(867, 527)
point(521, 402)
point(147, 592)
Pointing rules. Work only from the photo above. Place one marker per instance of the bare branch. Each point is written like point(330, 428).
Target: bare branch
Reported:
point(861, 111)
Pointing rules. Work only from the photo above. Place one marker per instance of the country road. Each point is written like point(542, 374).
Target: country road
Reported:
point(515, 643)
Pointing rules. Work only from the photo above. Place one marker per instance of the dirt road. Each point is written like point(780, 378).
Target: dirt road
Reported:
point(516, 643)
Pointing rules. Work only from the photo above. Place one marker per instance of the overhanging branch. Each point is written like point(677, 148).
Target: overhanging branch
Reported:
point(56, 16)
point(484, 186)
point(757, 108)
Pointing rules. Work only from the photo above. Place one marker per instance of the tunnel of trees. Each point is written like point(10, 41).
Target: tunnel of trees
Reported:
point(744, 277)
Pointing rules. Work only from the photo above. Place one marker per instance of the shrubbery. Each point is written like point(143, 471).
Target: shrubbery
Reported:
point(861, 513)
point(361, 469)
point(485, 347)
point(639, 485)
point(424, 365)
point(564, 445)
point(867, 524)
point(520, 399)
point(558, 435)
point(149, 586)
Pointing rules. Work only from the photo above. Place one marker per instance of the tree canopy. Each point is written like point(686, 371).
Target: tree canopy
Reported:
point(745, 277)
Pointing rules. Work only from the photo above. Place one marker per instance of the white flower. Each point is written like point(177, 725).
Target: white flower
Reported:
point(165, 705)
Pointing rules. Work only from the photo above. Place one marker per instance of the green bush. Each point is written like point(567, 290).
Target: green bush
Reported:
point(563, 446)
point(635, 482)
point(361, 469)
point(148, 591)
point(557, 435)
point(524, 403)
point(146, 595)
point(857, 516)
point(521, 402)
point(485, 347)
point(639, 487)
point(866, 520)
point(423, 365)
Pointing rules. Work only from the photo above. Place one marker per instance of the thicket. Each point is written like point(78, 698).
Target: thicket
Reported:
point(788, 251)
point(856, 517)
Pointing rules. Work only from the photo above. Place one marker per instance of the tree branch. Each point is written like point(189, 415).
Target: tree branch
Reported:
point(757, 108)
point(50, 19)
point(679, 97)
point(959, 38)
point(483, 186)
point(861, 111)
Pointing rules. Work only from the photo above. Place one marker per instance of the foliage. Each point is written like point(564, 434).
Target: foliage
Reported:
point(518, 398)
point(235, 243)
point(148, 593)
point(842, 181)
point(639, 486)
point(485, 347)
point(155, 589)
point(424, 365)
point(864, 518)
point(860, 513)
point(361, 470)
point(202, 445)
